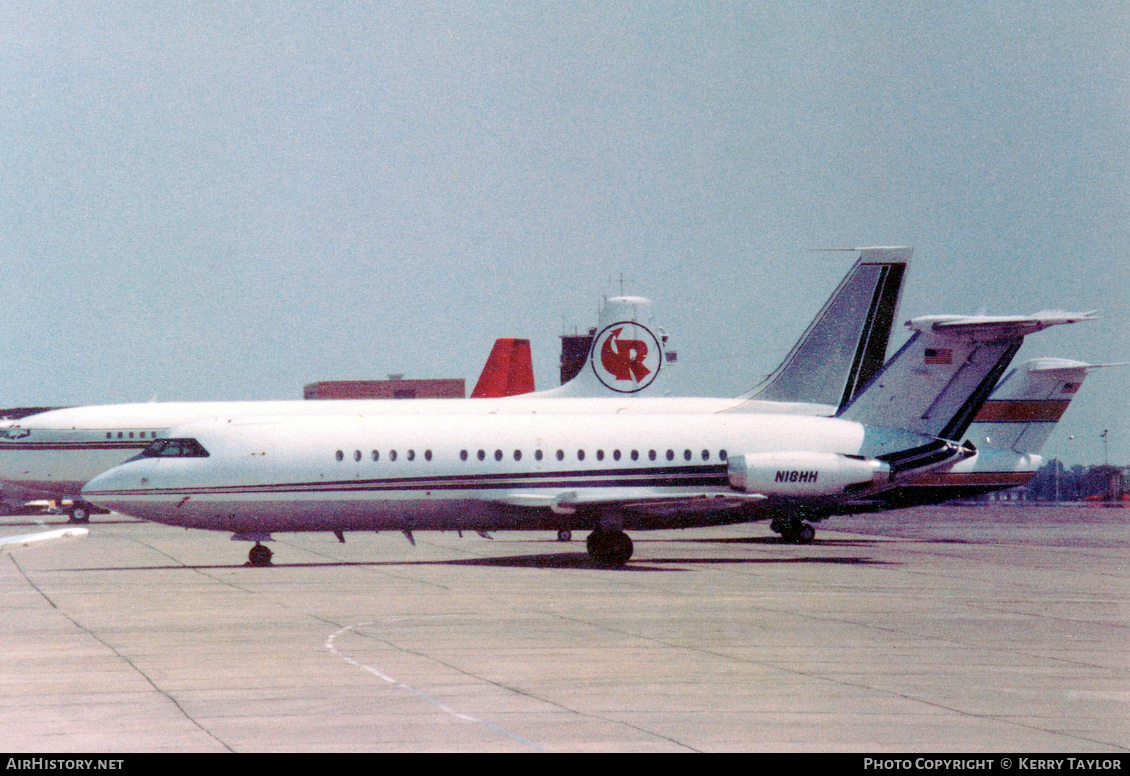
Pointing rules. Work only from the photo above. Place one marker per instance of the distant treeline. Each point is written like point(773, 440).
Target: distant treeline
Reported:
point(1056, 482)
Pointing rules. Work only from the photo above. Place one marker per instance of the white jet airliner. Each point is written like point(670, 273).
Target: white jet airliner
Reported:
point(55, 453)
point(601, 473)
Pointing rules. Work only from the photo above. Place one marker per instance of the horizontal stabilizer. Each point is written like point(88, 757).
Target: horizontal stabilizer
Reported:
point(996, 326)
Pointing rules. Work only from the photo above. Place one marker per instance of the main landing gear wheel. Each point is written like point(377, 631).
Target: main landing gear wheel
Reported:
point(564, 536)
point(259, 555)
point(80, 512)
point(612, 548)
point(805, 535)
point(794, 530)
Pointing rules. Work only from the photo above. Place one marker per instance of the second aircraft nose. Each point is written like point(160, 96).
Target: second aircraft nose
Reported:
point(107, 489)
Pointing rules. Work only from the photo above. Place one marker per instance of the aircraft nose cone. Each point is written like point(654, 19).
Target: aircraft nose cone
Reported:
point(121, 489)
point(115, 480)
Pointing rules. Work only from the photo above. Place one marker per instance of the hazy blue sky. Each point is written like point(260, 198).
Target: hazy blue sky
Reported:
point(230, 200)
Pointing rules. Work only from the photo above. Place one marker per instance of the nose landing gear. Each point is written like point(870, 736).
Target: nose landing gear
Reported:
point(80, 512)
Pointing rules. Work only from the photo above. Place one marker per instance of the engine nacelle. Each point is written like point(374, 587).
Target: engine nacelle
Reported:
point(803, 474)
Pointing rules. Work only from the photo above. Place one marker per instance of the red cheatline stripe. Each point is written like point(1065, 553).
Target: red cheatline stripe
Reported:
point(1017, 411)
point(986, 478)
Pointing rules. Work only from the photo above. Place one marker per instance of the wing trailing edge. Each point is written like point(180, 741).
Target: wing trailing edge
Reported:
point(570, 501)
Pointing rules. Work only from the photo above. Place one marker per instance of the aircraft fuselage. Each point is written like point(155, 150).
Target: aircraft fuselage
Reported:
point(56, 453)
point(477, 472)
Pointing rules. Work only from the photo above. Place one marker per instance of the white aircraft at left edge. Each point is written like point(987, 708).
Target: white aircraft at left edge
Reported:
point(561, 471)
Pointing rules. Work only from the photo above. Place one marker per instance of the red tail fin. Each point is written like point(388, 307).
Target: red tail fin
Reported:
point(509, 370)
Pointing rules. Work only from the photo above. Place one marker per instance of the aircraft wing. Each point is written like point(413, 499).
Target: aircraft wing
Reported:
point(569, 501)
point(55, 533)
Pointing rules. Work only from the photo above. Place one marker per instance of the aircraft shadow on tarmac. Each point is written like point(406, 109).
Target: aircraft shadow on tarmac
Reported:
point(582, 561)
point(775, 540)
point(565, 560)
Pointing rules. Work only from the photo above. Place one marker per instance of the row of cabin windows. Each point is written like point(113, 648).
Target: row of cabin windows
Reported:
point(376, 455)
point(538, 455)
point(140, 435)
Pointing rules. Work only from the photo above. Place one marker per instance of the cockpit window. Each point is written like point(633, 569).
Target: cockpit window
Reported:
point(175, 448)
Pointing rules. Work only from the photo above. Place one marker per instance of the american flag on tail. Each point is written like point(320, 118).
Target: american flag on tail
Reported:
point(939, 356)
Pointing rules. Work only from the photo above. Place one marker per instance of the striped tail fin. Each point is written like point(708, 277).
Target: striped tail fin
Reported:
point(938, 382)
point(1022, 412)
point(1007, 432)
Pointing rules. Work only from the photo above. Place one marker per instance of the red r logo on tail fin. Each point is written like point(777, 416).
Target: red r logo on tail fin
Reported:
point(632, 361)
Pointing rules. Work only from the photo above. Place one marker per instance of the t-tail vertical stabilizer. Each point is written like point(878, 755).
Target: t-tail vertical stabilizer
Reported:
point(937, 383)
point(1023, 410)
point(846, 344)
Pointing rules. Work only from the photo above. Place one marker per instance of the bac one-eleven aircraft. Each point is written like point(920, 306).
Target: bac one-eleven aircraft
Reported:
point(55, 453)
point(602, 473)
